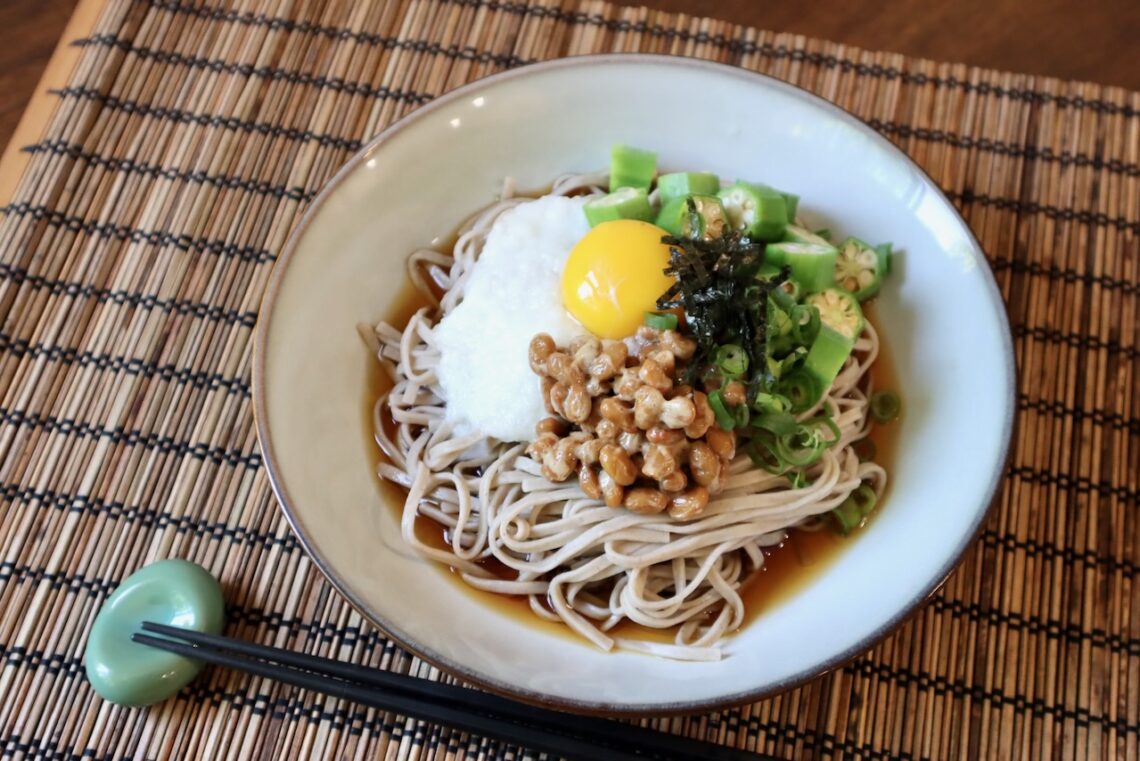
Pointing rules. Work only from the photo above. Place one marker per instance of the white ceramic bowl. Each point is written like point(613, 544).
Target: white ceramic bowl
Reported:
point(940, 312)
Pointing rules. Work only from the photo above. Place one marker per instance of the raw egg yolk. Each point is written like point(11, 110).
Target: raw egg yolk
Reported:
point(614, 275)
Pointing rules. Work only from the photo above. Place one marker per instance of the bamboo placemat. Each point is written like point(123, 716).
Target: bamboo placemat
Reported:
point(186, 143)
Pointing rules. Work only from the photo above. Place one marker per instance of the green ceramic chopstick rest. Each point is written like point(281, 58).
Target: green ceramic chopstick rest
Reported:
point(173, 592)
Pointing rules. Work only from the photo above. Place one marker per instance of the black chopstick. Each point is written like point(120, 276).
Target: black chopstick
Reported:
point(635, 738)
point(483, 713)
point(469, 722)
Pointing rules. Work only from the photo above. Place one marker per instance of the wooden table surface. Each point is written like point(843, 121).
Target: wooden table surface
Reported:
point(1097, 40)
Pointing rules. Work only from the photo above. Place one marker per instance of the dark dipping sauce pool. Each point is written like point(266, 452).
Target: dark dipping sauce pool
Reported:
point(788, 567)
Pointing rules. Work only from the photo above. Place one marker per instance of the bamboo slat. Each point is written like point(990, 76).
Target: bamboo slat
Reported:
point(145, 221)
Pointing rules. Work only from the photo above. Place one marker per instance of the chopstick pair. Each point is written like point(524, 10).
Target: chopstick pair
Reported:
point(568, 735)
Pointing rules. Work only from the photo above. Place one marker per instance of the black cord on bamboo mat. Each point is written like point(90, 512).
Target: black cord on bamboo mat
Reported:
point(569, 735)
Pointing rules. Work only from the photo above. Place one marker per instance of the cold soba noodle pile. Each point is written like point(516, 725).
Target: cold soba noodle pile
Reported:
point(623, 398)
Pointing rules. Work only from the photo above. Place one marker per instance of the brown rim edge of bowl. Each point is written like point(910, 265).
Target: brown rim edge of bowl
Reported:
point(599, 708)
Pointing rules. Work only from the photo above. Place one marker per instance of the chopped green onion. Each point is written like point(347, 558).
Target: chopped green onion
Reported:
point(885, 406)
point(724, 417)
point(661, 320)
point(731, 360)
point(781, 331)
point(824, 421)
point(631, 168)
point(761, 450)
point(800, 448)
point(776, 369)
point(805, 443)
point(740, 415)
point(779, 423)
point(783, 300)
point(801, 389)
point(798, 479)
point(846, 517)
point(770, 403)
point(864, 498)
point(853, 511)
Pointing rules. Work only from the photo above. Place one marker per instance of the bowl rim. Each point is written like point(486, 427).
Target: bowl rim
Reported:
point(485, 681)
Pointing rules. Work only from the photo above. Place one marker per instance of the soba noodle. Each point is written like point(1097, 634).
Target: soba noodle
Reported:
point(577, 561)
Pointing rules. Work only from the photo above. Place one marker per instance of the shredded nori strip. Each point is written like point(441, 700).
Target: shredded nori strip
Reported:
point(723, 299)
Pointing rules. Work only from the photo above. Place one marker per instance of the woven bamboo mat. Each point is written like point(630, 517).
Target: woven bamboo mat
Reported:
point(133, 255)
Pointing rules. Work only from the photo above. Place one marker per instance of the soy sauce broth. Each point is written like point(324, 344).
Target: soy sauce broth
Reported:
point(788, 568)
